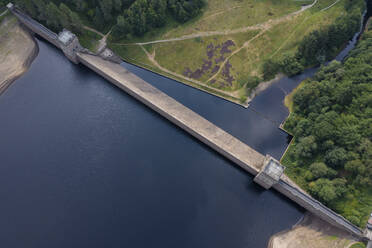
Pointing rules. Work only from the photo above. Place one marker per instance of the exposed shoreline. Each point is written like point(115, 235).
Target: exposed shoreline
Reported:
point(19, 51)
point(311, 232)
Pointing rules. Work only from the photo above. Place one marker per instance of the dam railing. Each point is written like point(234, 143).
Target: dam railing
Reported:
point(316, 207)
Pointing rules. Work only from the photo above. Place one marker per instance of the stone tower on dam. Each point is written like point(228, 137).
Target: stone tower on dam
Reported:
point(70, 45)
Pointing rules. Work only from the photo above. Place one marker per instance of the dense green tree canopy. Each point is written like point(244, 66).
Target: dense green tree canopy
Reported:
point(125, 17)
point(332, 124)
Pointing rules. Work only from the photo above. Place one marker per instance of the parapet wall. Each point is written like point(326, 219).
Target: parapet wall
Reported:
point(36, 27)
point(317, 208)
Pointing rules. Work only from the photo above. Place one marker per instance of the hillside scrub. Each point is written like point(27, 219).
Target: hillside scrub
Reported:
point(318, 46)
point(331, 156)
point(125, 17)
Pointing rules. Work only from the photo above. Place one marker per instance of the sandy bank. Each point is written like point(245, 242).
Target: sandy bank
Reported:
point(17, 50)
point(311, 232)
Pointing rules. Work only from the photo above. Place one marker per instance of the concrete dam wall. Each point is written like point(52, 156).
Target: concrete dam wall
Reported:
point(230, 147)
point(317, 208)
point(197, 126)
point(267, 171)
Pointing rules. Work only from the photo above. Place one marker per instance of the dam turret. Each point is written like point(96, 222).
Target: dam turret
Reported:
point(70, 45)
point(270, 172)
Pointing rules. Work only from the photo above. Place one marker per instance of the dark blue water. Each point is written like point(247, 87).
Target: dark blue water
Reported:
point(257, 129)
point(83, 164)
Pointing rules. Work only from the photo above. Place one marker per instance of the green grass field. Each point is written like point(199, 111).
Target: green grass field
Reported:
point(89, 39)
point(259, 30)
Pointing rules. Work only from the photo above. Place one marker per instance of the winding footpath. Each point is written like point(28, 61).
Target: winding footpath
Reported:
point(261, 27)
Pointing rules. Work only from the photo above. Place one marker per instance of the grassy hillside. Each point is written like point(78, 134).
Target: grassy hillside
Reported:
point(224, 49)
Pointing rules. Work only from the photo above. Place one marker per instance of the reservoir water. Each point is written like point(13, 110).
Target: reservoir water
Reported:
point(83, 164)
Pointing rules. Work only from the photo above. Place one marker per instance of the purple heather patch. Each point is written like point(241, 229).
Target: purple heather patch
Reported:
point(187, 72)
point(196, 74)
point(226, 73)
point(225, 47)
point(219, 59)
point(206, 65)
point(211, 52)
point(215, 69)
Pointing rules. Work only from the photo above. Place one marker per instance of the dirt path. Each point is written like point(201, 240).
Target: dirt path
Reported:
point(312, 232)
point(268, 26)
point(102, 42)
point(151, 57)
point(246, 44)
point(330, 6)
point(262, 26)
point(17, 51)
point(265, 25)
point(289, 37)
point(93, 30)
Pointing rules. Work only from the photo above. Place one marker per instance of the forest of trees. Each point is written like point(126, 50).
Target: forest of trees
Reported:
point(332, 125)
point(318, 46)
point(126, 17)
